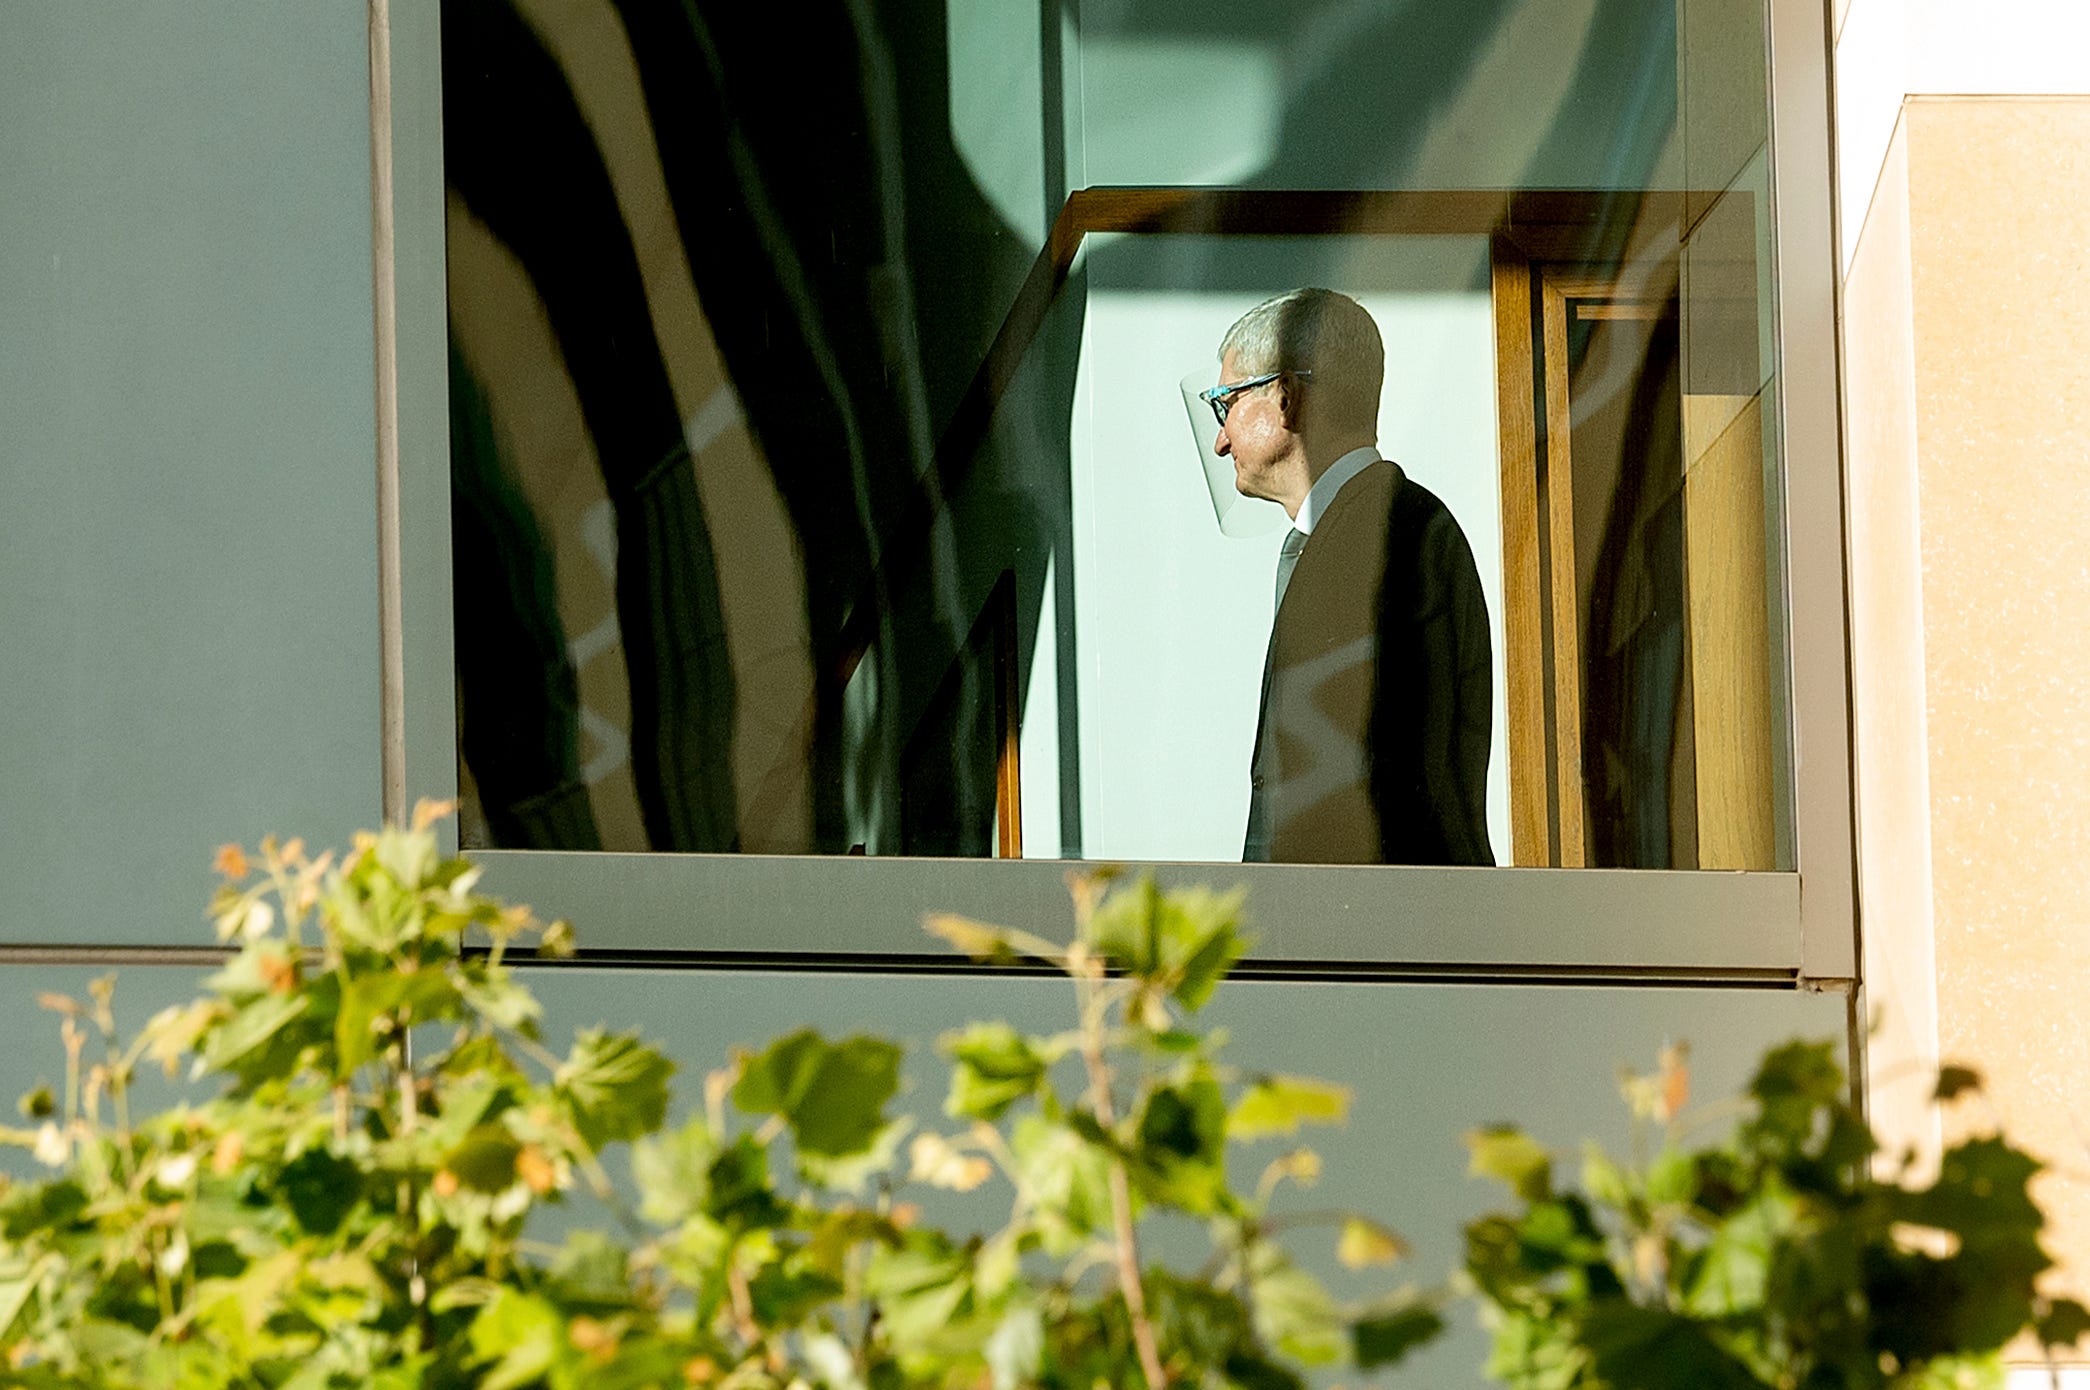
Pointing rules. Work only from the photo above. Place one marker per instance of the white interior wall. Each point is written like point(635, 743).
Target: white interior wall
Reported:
point(1172, 617)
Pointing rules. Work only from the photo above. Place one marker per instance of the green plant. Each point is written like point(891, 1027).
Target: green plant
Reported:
point(346, 1199)
point(1776, 1257)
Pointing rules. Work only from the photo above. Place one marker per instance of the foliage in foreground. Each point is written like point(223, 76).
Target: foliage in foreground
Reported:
point(346, 1198)
point(1777, 1257)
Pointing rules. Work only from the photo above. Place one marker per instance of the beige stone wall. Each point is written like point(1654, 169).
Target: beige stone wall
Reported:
point(1967, 377)
point(1890, 725)
point(1999, 217)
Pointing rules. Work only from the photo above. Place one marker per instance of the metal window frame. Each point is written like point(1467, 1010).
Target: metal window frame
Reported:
point(1793, 928)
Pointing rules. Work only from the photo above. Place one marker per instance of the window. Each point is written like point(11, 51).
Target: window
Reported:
point(821, 485)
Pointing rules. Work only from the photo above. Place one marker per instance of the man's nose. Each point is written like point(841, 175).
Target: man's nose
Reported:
point(1222, 446)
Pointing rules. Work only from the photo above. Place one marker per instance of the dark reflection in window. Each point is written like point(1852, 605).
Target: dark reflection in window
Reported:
point(791, 157)
point(1637, 730)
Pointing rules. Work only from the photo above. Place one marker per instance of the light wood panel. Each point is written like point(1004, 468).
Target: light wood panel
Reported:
point(1730, 632)
point(1523, 625)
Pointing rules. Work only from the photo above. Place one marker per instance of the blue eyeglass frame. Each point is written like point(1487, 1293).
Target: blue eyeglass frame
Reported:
point(1220, 397)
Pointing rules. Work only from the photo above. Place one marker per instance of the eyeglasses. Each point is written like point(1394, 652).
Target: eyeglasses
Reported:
point(1221, 397)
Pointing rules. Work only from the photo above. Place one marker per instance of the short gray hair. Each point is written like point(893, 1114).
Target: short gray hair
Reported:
point(1318, 331)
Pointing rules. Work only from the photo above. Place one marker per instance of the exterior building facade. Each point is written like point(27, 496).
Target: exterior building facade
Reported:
point(276, 283)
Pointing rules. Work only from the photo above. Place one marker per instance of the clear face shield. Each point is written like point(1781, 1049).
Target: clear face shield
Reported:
point(1237, 515)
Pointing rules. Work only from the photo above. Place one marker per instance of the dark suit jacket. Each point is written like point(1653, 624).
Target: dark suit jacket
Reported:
point(1372, 746)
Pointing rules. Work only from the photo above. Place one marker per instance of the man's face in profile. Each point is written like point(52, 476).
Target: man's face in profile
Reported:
point(1254, 434)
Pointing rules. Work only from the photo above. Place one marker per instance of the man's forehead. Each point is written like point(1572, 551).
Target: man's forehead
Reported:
point(1229, 368)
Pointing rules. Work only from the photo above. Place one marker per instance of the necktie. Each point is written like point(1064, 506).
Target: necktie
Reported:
point(1287, 558)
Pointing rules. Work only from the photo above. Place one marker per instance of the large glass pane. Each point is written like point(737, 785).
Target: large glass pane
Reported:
point(830, 472)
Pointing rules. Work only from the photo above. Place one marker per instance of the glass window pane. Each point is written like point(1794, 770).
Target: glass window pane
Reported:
point(831, 474)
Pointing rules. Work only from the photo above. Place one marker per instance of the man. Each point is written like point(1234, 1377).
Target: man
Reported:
point(1372, 744)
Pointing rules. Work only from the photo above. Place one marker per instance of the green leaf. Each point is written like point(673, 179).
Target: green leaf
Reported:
point(1186, 1123)
point(615, 1087)
point(1634, 1346)
point(19, 1283)
point(1672, 1179)
point(422, 995)
point(496, 996)
point(1364, 1243)
point(1183, 941)
point(46, 1206)
point(1125, 927)
point(833, 1095)
point(520, 1334)
point(1606, 1183)
point(995, 1066)
point(1792, 1084)
point(1016, 1351)
point(485, 1161)
point(1512, 1157)
point(1178, 1041)
point(590, 1270)
point(1068, 1179)
point(919, 1287)
point(673, 1172)
point(741, 1195)
point(786, 1297)
point(1385, 1336)
point(1559, 1230)
point(1732, 1275)
point(251, 1026)
point(1293, 1312)
point(1280, 1104)
point(1181, 1139)
point(852, 1172)
point(1206, 945)
point(1195, 1320)
point(320, 1189)
point(1244, 1370)
point(1979, 1372)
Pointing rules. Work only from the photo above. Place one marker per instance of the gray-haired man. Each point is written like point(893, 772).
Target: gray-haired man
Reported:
point(1373, 740)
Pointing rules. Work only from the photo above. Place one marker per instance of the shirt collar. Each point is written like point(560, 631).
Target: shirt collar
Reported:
point(1322, 493)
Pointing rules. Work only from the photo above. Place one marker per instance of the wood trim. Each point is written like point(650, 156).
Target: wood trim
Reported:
point(1561, 224)
point(1566, 665)
point(1523, 624)
point(1634, 311)
point(1008, 731)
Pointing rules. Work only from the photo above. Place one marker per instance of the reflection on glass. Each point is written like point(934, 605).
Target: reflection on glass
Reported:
point(818, 384)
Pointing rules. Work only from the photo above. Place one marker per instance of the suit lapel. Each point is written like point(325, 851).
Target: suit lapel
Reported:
point(1341, 503)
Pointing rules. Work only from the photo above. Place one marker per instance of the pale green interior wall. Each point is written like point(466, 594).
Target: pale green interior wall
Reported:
point(1173, 617)
point(188, 637)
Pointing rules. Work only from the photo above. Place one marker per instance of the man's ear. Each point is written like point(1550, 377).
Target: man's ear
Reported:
point(1288, 401)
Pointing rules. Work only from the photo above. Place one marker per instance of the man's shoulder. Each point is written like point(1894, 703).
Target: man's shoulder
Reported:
point(1414, 508)
point(1367, 495)
point(1384, 506)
